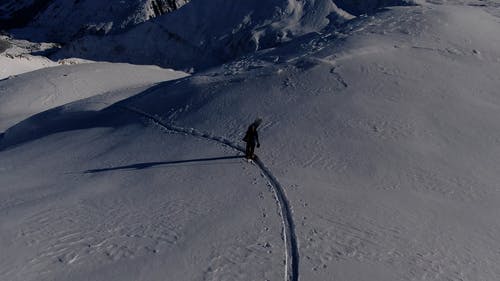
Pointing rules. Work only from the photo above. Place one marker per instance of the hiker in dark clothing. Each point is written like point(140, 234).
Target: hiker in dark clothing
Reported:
point(252, 138)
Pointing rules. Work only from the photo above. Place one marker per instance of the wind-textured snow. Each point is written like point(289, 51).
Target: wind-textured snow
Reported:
point(379, 158)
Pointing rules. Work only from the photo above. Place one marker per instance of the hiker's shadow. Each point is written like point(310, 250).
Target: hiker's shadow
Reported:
point(147, 165)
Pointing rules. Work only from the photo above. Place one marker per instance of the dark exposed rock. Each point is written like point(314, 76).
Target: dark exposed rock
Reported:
point(15, 14)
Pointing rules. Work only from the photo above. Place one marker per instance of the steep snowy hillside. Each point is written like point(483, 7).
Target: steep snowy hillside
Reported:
point(202, 35)
point(62, 20)
point(379, 159)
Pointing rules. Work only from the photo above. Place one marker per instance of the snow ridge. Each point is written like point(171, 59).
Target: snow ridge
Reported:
point(289, 236)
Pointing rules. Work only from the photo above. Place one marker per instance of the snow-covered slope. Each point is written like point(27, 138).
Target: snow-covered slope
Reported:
point(185, 223)
point(380, 144)
point(13, 65)
point(202, 35)
point(386, 142)
point(16, 58)
point(40, 90)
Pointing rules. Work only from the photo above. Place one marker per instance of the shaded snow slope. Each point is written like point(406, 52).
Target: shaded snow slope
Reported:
point(384, 136)
point(202, 35)
point(40, 90)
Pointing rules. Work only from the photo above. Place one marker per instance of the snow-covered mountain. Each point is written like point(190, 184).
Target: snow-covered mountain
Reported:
point(379, 157)
point(62, 20)
point(40, 21)
point(201, 35)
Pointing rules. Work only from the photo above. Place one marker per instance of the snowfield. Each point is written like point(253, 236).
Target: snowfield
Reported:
point(379, 159)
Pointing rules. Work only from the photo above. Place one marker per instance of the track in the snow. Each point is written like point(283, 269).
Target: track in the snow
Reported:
point(289, 237)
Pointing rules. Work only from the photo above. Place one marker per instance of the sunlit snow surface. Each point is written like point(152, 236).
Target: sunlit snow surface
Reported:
point(384, 136)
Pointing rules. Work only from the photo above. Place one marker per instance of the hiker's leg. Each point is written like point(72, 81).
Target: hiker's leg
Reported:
point(248, 152)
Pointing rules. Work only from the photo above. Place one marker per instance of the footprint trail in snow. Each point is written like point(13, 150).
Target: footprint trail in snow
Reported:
point(289, 236)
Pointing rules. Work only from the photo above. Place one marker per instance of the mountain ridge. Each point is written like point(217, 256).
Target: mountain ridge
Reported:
point(195, 37)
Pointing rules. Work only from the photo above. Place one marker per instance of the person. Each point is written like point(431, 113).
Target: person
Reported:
point(252, 138)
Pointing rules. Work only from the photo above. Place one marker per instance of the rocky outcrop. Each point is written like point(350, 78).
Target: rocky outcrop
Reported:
point(161, 7)
point(65, 20)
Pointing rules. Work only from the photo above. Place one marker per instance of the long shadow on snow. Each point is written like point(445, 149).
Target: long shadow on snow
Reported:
point(60, 120)
point(147, 165)
point(65, 118)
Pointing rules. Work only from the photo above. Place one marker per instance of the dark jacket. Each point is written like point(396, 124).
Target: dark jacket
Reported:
point(251, 135)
